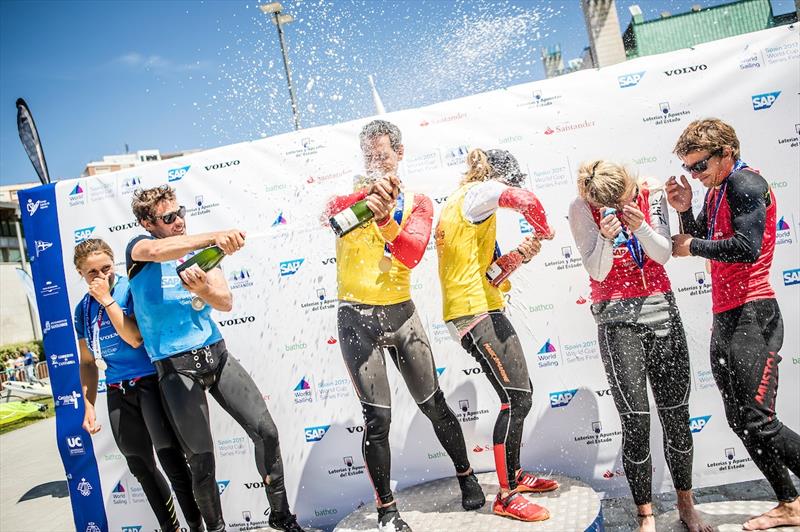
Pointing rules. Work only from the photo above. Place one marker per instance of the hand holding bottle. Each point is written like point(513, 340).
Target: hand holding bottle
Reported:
point(529, 248)
point(503, 267)
point(230, 241)
point(382, 197)
point(194, 279)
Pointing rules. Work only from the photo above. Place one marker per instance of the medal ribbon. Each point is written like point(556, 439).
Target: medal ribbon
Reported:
point(712, 218)
point(398, 217)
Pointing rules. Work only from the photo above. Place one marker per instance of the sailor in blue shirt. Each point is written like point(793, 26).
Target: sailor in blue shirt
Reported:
point(109, 339)
point(187, 349)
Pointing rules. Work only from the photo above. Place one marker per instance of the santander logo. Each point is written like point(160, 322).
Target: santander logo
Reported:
point(548, 131)
point(332, 341)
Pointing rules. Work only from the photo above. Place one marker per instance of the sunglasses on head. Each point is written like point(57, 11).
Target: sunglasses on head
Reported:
point(701, 165)
point(170, 217)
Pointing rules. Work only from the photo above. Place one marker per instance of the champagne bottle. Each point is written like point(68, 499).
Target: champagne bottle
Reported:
point(206, 259)
point(350, 218)
point(504, 266)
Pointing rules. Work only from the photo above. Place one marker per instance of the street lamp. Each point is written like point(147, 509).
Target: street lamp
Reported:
point(279, 19)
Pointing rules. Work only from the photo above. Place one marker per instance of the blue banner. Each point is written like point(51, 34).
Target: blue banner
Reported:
point(40, 220)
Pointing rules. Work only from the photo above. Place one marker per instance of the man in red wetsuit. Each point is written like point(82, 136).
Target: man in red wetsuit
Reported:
point(376, 316)
point(735, 232)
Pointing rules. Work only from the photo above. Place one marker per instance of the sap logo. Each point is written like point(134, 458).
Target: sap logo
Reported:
point(603, 393)
point(696, 424)
point(237, 321)
point(134, 528)
point(218, 166)
point(316, 433)
point(83, 234)
point(329, 260)
point(562, 398)
point(75, 445)
point(524, 226)
point(290, 267)
point(33, 206)
point(791, 277)
point(630, 80)
point(357, 428)
point(129, 225)
point(222, 485)
point(473, 371)
point(440, 371)
point(685, 70)
point(176, 174)
point(764, 101)
point(41, 246)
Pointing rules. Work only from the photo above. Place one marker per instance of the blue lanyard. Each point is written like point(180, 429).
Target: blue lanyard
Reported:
point(720, 193)
point(87, 320)
point(398, 217)
point(636, 250)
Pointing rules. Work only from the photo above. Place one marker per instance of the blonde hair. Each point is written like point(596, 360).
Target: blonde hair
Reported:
point(89, 246)
point(144, 201)
point(707, 134)
point(479, 167)
point(603, 182)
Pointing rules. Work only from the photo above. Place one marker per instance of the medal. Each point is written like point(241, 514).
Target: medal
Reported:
point(198, 304)
point(100, 363)
point(385, 264)
point(505, 286)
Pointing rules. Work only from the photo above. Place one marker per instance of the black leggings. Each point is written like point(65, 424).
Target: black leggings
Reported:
point(744, 360)
point(632, 353)
point(183, 380)
point(139, 424)
point(495, 345)
point(364, 332)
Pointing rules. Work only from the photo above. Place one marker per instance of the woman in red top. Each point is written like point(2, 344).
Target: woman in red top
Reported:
point(622, 232)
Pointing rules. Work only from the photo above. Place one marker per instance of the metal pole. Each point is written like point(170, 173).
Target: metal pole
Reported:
point(37, 335)
point(288, 72)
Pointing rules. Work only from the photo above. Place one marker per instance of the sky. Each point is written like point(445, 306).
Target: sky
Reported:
point(184, 75)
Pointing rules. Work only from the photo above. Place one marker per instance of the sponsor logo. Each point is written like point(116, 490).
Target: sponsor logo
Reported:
point(423, 162)
point(35, 206)
point(779, 184)
point(84, 487)
point(314, 434)
point(77, 195)
point(580, 351)
point(336, 388)
point(49, 289)
point(201, 206)
point(783, 233)
point(705, 379)
point(42, 246)
point(308, 147)
point(131, 528)
point(562, 398)
point(597, 436)
point(92, 527)
point(791, 277)
point(538, 99)
point(297, 346)
point(349, 469)
point(685, 70)
point(83, 234)
point(234, 446)
point(793, 141)
point(729, 461)
point(222, 485)
point(237, 321)
point(696, 424)
point(510, 139)
point(630, 80)
point(220, 166)
point(325, 511)
point(276, 188)
point(473, 371)
point(456, 155)
point(100, 190)
point(541, 307)
point(290, 267)
point(443, 119)
point(608, 475)
point(781, 54)
point(646, 159)
point(327, 177)
point(176, 174)
point(55, 324)
point(566, 127)
point(303, 392)
point(58, 361)
point(320, 303)
point(438, 331)
point(123, 227)
point(69, 400)
point(255, 485)
point(764, 101)
point(279, 220)
point(749, 61)
point(465, 413)
point(547, 355)
point(568, 260)
point(550, 177)
point(248, 523)
point(666, 115)
point(329, 261)
point(75, 445)
point(701, 285)
point(440, 371)
point(603, 393)
point(129, 185)
point(240, 278)
point(355, 429)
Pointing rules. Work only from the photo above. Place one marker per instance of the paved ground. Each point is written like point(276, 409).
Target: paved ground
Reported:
point(33, 492)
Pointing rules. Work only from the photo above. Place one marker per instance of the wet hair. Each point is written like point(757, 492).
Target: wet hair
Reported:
point(145, 200)
point(707, 134)
point(603, 182)
point(89, 246)
point(379, 128)
point(478, 165)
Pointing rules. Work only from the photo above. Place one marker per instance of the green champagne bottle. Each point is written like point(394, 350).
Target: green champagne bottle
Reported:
point(207, 259)
point(350, 218)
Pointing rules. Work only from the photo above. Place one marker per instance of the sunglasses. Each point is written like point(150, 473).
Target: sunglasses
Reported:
point(701, 165)
point(170, 217)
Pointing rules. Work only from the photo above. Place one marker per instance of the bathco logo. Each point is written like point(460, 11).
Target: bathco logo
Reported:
point(176, 174)
point(290, 267)
point(630, 80)
point(562, 398)
point(764, 101)
point(696, 424)
point(83, 234)
point(315, 433)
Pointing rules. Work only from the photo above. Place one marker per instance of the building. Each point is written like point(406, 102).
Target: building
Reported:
point(664, 34)
point(113, 163)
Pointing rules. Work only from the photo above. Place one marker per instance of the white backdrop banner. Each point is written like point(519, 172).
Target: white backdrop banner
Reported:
point(283, 324)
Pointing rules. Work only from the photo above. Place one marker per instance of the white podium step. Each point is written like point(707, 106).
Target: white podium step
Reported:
point(436, 506)
point(726, 516)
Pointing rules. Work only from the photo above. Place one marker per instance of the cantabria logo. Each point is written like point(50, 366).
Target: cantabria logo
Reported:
point(630, 80)
point(764, 101)
point(176, 174)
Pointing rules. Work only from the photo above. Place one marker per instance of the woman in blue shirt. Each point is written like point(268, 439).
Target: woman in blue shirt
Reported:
point(109, 339)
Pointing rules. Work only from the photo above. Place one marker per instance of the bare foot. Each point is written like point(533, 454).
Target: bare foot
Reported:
point(688, 515)
point(646, 523)
point(785, 514)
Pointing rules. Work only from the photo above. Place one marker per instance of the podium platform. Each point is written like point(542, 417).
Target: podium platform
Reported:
point(436, 505)
point(725, 516)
